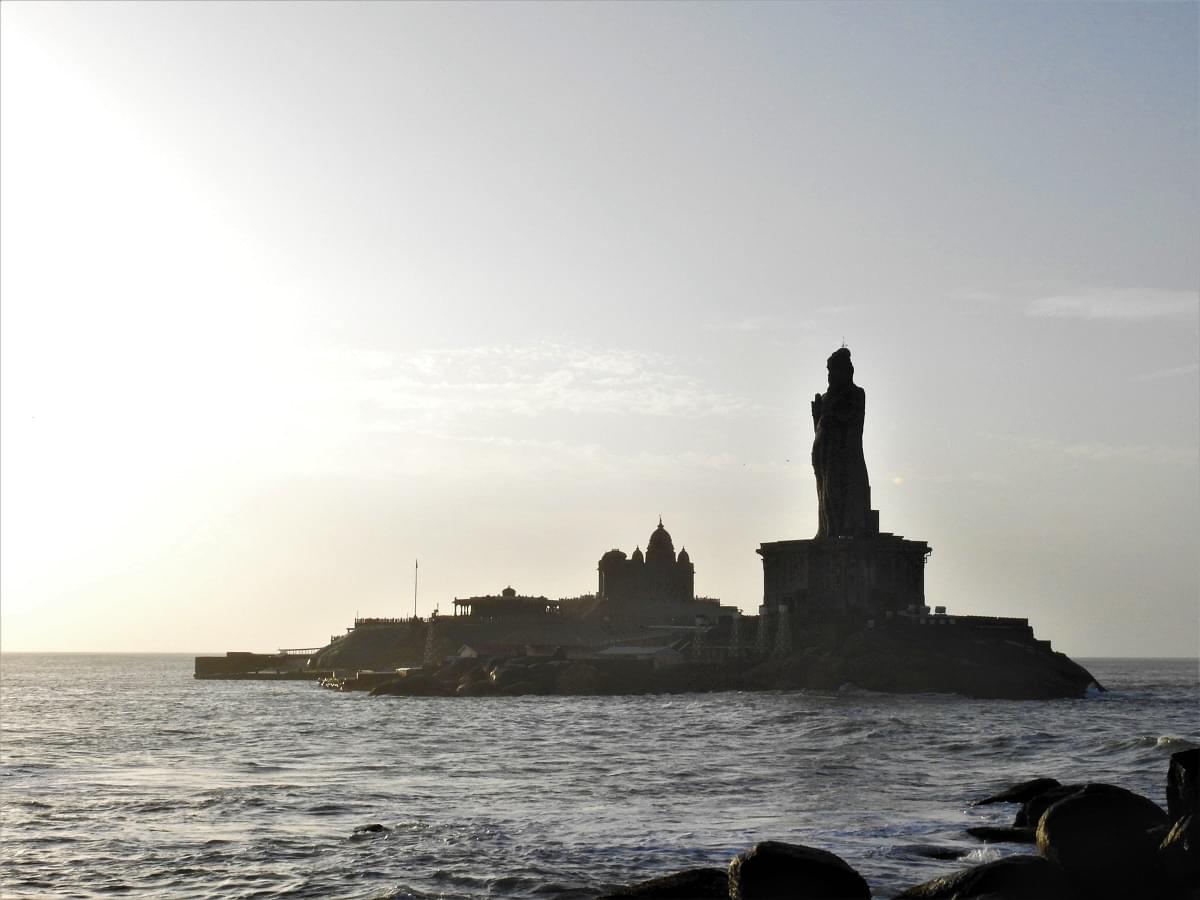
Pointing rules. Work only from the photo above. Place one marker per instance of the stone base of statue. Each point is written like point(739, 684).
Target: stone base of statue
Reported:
point(848, 606)
point(829, 579)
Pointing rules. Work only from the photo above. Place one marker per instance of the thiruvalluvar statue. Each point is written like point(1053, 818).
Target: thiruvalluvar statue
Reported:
point(843, 491)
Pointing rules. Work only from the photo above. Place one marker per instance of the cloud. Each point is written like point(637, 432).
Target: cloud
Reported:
point(1173, 372)
point(746, 324)
point(1120, 305)
point(521, 380)
point(1101, 452)
point(532, 455)
point(971, 295)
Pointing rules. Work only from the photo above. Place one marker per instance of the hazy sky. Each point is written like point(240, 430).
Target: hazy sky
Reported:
point(295, 294)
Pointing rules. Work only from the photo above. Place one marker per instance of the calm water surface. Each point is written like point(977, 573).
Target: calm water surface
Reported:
point(121, 774)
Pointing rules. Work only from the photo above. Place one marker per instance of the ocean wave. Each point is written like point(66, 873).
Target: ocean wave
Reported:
point(179, 788)
point(981, 855)
point(1174, 744)
point(329, 809)
point(1165, 742)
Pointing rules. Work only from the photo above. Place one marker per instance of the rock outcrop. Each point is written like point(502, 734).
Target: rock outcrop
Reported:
point(1013, 878)
point(1094, 841)
point(929, 660)
point(774, 869)
point(1100, 837)
point(1183, 784)
point(691, 884)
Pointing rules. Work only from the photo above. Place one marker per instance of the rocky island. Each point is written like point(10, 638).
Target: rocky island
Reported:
point(845, 607)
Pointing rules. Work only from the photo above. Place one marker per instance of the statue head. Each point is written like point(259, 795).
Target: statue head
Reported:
point(841, 370)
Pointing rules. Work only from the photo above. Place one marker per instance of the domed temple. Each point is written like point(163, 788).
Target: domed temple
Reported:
point(656, 585)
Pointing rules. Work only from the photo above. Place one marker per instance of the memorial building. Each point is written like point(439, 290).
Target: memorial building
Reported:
point(655, 587)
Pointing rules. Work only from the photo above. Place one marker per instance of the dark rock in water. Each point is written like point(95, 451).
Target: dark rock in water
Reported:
point(1013, 878)
point(1179, 853)
point(479, 688)
point(382, 690)
point(412, 685)
point(691, 884)
point(456, 668)
point(1029, 813)
point(1021, 792)
point(366, 831)
point(928, 851)
point(474, 675)
point(580, 678)
point(773, 869)
point(544, 676)
point(1002, 834)
point(1099, 837)
point(520, 689)
point(1183, 784)
point(509, 674)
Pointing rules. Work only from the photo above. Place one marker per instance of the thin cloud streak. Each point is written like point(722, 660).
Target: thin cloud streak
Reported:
point(1121, 305)
point(754, 324)
point(1101, 452)
point(1173, 372)
point(525, 380)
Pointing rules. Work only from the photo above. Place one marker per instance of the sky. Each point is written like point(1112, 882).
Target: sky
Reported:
point(294, 295)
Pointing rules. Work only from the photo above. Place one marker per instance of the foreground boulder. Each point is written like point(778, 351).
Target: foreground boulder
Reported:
point(1183, 784)
point(1101, 838)
point(1013, 878)
point(1179, 854)
point(1031, 810)
point(691, 884)
point(773, 870)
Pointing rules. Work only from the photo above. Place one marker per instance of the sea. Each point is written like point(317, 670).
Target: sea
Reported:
point(122, 775)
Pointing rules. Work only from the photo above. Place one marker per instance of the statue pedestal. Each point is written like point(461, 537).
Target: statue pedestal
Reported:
point(826, 579)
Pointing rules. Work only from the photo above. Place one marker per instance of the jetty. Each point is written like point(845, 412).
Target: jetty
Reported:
point(284, 665)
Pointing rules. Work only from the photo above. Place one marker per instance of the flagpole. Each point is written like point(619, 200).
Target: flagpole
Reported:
point(416, 569)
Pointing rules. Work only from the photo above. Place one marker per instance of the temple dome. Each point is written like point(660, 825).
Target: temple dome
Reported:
point(683, 556)
point(637, 555)
point(660, 548)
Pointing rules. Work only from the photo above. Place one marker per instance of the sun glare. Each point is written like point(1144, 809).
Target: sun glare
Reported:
point(139, 343)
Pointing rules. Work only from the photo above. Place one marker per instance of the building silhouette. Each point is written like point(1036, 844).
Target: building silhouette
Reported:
point(656, 578)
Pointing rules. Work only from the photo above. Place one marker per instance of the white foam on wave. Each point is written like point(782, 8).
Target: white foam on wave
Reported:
point(982, 855)
point(1169, 742)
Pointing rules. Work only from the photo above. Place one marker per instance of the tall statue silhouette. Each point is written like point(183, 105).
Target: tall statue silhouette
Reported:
point(843, 491)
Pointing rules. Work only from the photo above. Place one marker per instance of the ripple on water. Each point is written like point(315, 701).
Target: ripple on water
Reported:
point(165, 786)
